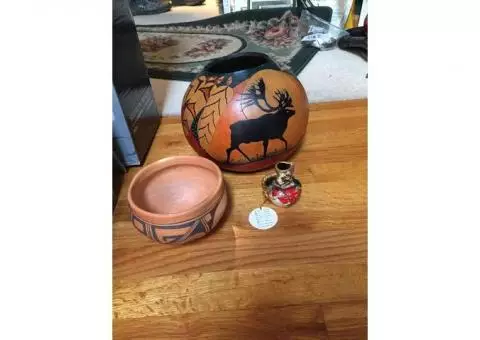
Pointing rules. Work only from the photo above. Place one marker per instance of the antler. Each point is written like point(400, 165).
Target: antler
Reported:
point(283, 98)
point(254, 94)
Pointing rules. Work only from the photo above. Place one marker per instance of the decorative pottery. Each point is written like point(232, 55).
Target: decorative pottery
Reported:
point(282, 188)
point(177, 199)
point(244, 113)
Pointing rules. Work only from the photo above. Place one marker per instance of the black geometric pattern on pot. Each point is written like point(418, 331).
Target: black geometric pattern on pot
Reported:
point(149, 230)
point(199, 228)
point(156, 236)
point(136, 221)
point(174, 226)
point(272, 125)
point(202, 225)
point(207, 220)
point(172, 239)
point(153, 231)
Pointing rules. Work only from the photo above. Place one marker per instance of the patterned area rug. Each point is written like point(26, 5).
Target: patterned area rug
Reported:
point(180, 51)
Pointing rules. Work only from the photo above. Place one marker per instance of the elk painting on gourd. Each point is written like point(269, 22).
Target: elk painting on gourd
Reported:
point(271, 125)
point(247, 119)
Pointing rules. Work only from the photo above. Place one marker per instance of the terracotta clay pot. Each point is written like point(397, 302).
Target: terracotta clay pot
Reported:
point(177, 199)
point(244, 113)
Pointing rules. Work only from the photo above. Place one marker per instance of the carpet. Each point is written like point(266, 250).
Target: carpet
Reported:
point(180, 51)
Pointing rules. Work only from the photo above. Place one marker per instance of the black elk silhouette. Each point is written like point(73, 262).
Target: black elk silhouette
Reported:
point(271, 125)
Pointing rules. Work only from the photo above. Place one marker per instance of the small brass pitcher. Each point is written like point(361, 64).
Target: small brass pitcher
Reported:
point(282, 188)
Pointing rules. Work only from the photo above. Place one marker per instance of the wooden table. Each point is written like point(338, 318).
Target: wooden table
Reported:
point(304, 279)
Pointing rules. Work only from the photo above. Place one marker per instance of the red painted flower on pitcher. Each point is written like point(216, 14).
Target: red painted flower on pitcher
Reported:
point(286, 196)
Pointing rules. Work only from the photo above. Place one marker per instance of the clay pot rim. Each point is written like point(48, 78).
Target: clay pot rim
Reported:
point(267, 63)
point(198, 210)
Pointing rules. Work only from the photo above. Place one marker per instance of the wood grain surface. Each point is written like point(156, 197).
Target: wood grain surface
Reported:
point(304, 279)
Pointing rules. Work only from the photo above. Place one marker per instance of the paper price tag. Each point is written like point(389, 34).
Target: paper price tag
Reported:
point(263, 218)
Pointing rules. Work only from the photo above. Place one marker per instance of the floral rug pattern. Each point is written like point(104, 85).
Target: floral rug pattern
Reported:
point(184, 50)
point(207, 47)
point(275, 33)
point(180, 52)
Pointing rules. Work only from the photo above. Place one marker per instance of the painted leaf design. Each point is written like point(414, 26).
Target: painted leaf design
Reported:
point(217, 96)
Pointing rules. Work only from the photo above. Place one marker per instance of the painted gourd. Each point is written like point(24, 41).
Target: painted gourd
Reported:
point(244, 113)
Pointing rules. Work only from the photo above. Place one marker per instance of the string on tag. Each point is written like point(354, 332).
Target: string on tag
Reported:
point(263, 203)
